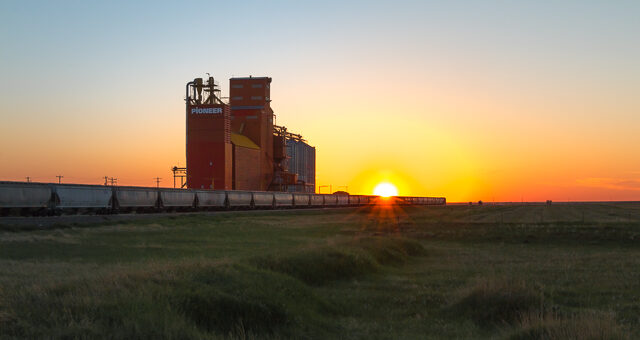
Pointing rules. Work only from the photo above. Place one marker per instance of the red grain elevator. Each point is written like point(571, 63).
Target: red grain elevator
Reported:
point(236, 146)
point(208, 141)
point(252, 117)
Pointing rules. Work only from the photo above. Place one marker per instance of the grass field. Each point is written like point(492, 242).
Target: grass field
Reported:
point(469, 272)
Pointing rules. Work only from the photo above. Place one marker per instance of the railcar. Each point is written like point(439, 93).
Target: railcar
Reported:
point(343, 200)
point(71, 198)
point(330, 200)
point(263, 199)
point(211, 199)
point(135, 198)
point(316, 200)
point(24, 198)
point(301, 200)
point(364, 200)
point(283, 199)
point(177, 199)
point(239, 199)
point(353, 200)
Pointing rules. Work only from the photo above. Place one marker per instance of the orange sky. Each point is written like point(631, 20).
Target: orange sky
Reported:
point(477, 104)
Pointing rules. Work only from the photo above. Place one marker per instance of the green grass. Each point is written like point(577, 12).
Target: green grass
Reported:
point(495, 302)
point(512, 272)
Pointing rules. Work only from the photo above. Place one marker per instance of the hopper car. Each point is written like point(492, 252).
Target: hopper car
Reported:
point(23, 198)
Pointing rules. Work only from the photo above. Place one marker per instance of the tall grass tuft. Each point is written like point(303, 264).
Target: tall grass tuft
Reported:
point(320, 265)
point(492, 302)
point(390, 251)
point(584, 326)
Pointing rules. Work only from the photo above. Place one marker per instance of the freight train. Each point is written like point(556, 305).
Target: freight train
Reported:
point(21, 198)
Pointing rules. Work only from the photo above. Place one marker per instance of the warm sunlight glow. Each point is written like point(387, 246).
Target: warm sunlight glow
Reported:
point(385, 190)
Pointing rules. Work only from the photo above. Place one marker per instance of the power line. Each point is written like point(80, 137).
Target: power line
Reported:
point(111, 180)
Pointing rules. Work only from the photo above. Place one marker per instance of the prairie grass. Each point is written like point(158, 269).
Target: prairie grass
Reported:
point(320, 265)
point(192, 300)
point(583, 326)
point(495, 302)
point(519, 272)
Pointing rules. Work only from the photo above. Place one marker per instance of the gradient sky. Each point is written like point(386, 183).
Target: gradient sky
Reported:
point(472, 100)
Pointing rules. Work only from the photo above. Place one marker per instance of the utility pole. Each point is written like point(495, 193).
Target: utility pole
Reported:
point(28, 179)
point(157, 181)
point(105, 180)
point(60, 179)
point(113, 180)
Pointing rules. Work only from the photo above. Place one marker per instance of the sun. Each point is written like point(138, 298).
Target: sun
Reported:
point(385, 190)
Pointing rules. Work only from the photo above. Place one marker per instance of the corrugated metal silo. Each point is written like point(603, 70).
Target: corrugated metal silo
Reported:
point(302, 161)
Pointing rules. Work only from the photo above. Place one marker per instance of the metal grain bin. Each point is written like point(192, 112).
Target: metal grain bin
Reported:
point(239, 198)
point(24, 195)
point(283, 199)
point(262, 199)
point(134, 197)
point(211, 198)
point(83, 196)
point(177, 197)
point(316, 200)
point(302, 161)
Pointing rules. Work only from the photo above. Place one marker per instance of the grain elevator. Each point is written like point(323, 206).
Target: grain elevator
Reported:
point(234, 145)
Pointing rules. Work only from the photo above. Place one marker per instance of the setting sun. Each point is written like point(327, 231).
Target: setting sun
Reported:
point(385, 190)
